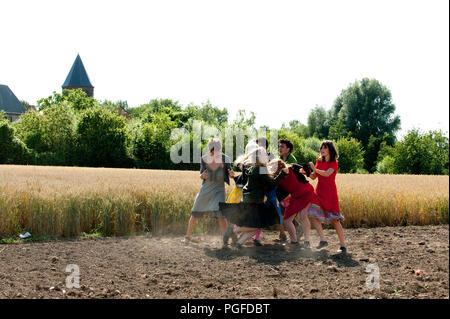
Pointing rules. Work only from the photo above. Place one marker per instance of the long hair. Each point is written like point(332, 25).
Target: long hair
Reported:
point(334, 155)
point(252, 158)
point(275, 166)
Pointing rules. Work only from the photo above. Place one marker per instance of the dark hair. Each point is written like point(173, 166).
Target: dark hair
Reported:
point(261, 141)
point(287, 143)
point(332, 149)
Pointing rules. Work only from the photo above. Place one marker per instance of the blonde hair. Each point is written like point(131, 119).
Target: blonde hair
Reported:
point(253, 158)
point(214, 144)
point(251, 146)
point(275, 166)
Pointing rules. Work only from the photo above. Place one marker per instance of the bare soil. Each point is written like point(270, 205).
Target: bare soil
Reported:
point(413, 262)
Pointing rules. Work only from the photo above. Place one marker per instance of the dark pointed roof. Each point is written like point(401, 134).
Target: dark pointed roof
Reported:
point(9, 102)
point(77, 75)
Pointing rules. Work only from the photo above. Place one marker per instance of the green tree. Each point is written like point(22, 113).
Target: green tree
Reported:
point(152, 144)
point(422, 153)
point(51, 135)
point(297, 127)
point(373, 148)
point(74, 98)
point(243, 120)
point(386, 165)
point(367, 110)
point(302, 153)
point(12, 150)
point(313, 143)
point(351, 155)
point(102, 139)
point(318, 122)
point(213, 115)
point(338, 130)
point(31, 130)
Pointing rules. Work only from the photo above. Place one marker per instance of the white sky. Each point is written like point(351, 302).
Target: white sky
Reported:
point(277, 58)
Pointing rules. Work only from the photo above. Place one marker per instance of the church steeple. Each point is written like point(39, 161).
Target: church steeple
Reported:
point(78, 78)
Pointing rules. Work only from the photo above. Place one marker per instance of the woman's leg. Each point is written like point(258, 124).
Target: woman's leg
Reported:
point(282, 233)
point(291, 228)
point(222, 224)
point(258, 234)
point(245, 229)
point(306, 225)
point(340, 231)
point(247, 235)
point(318, 226)
point(191, 225)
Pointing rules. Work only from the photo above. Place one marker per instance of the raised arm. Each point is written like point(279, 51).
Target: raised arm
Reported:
point(316, 171)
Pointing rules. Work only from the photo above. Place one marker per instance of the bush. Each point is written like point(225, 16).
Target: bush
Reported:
point(386, 165)
point(12, 150)
point(351, 155)
point(361, 171)
point(306, 155)
point(152, 145)
point(51, 135)
point(312, 143)
point(422, 153)
point(102, 139)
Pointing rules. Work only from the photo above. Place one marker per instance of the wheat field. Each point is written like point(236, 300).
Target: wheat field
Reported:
point(70, 201)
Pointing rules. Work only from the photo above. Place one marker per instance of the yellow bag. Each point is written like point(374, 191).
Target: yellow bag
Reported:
point(235, 196)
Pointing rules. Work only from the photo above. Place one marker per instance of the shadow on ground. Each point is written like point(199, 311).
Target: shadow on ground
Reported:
point(275, 254)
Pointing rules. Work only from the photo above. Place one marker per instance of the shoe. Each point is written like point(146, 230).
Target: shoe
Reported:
point(342, 250)
point(257, 242)
point(238, 246)
point(322, 243)
point(306, 246)
point(227, 235)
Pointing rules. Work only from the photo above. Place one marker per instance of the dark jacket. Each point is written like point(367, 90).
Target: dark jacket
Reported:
point(242, 179)
point(253, 191)
point(226, 166)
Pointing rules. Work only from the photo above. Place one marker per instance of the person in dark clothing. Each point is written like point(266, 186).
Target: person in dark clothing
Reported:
point(252, 214)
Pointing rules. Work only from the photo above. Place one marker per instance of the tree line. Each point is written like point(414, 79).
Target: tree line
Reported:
point(72, 129)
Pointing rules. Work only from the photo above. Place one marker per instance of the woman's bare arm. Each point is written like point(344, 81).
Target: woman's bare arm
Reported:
point(316, 172)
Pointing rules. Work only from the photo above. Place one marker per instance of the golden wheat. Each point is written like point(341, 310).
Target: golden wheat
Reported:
point(67, 201)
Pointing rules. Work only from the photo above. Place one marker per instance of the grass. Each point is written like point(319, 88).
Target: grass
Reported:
point(93, 235)
point(93, 202)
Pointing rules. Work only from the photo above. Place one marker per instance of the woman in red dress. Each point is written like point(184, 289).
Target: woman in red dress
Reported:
point(328, 212)
point(302, 196)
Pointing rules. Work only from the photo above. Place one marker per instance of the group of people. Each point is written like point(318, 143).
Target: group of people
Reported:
point(269, 191)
